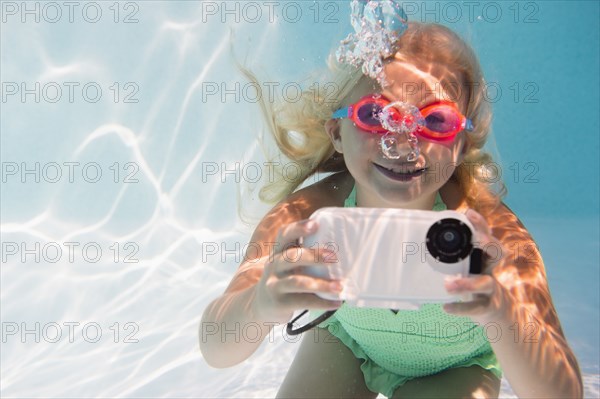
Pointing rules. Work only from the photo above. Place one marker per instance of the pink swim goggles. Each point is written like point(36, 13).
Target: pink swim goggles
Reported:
point(442, 121)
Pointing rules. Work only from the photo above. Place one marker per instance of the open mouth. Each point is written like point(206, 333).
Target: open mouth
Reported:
point(400, 174)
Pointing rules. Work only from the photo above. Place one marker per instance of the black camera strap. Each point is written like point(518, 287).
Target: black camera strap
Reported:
point(313, 323)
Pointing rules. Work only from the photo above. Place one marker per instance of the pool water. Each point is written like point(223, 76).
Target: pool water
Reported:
point(128, 138)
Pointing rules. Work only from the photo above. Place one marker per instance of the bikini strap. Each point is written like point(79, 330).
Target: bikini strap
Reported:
point(350, 202)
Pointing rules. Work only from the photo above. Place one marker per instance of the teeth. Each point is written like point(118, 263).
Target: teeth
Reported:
point(402, 171)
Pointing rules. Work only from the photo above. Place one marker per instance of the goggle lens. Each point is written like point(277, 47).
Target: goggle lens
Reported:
point(443, 120)
point(368, 114)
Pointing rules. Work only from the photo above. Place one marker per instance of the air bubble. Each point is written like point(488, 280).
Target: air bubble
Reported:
point(378, 26)
point(391, 141)
point(412, 156)
point(400, 117)
point(389, 146)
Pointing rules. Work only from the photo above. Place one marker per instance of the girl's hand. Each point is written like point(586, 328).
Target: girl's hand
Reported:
point(294, 275)
point(490, 299)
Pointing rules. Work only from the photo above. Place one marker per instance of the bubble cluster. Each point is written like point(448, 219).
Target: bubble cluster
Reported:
point(378, 25)
point(400, 120)
point(392, 141)
point(400, 117)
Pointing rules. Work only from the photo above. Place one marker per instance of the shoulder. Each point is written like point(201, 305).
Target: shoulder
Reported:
point(508, 229)
point(331, 191)
point(299, 205)
point(505, 224)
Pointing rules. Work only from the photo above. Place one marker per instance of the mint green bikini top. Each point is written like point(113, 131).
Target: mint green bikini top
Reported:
point(350, 202)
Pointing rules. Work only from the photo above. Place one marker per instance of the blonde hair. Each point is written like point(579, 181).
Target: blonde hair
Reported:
point(299, 132)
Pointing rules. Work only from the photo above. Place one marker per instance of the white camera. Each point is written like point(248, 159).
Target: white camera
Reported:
point(395, 258)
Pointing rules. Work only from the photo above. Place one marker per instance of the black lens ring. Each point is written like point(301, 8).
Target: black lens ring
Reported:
point(465, 237)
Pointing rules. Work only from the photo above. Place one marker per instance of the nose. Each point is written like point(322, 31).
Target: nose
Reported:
point(400, 145)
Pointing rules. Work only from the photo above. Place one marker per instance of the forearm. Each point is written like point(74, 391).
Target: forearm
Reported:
point(230, 331)
point(536, 361)
point(513, 302)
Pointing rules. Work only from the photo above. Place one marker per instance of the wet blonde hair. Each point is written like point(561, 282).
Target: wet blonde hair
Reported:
point(299, 132)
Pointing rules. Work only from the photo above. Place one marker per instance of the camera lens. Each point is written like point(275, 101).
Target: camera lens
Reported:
point(449, 240)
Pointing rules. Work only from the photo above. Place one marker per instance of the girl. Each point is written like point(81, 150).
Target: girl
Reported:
point(363, 352)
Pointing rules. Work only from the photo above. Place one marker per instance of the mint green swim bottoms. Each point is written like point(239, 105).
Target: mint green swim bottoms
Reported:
point(398, 347)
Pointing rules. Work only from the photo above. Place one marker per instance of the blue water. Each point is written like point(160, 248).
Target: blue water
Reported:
point(164, 198)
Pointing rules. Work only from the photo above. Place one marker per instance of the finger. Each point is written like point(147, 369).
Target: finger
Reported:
point(289, 235)
point(478, 221)
point(309, 255)
point(472, 308)
point(326, 255)
point(310, 301)
point(323, 272)
point(298, 260)
point(482, 234)
point(483, 238)
point(471, 285)
point(299, 284)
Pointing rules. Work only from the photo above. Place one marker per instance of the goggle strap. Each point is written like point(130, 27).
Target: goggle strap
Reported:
point(345, 112)
point(469, 125)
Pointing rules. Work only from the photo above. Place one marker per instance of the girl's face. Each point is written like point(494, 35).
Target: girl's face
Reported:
point(377, 187)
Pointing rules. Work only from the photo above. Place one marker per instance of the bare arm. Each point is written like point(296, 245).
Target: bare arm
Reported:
point(530, 344)
point(222, 323)
point(266, 290)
